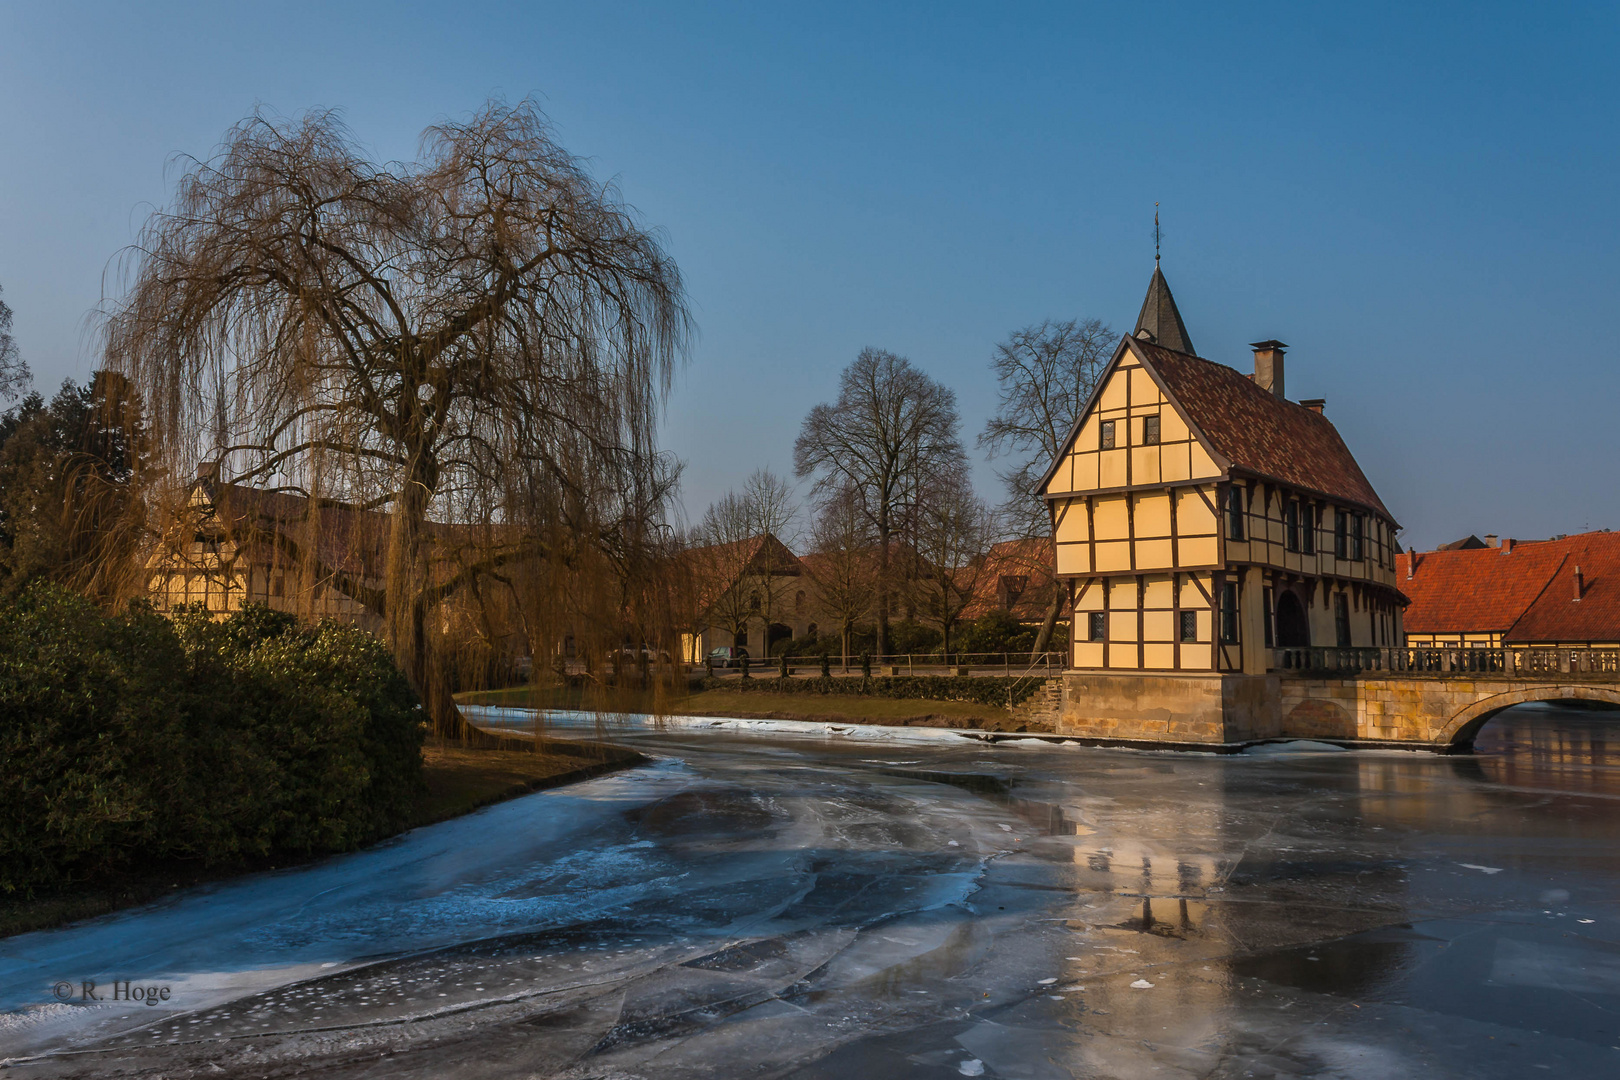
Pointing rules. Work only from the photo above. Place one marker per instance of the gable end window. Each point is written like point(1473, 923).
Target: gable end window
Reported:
point(1097, 626)
point(1108, 434)
point(1150, 431)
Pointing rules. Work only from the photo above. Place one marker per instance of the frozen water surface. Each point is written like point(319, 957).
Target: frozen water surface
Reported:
point(825, 903)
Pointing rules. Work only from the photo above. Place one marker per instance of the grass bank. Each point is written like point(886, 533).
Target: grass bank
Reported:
point(458, 781)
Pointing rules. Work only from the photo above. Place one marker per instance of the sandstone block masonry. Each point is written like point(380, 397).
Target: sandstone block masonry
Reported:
point(1429, 711)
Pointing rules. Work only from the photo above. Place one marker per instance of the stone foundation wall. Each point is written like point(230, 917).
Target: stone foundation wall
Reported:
point(1215, 709)
point(1209, 709)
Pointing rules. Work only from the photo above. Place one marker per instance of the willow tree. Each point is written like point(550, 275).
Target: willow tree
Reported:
point(477, 345)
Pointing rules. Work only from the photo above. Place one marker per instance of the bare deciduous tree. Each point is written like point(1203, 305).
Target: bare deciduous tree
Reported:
point(772, 510)
point(478, 345)
point(14, 373)
point(737, 558)
point(843, 567)
point(721, 559)
point(956, 530)
point(891, 432)
point(1047, 374)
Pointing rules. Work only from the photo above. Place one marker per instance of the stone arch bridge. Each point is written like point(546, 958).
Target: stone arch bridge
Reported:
point(1436, 699)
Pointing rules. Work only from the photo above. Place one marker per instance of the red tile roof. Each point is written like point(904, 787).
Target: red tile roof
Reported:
point(1260, 433)
point(1526, 593)
point(1027, 569)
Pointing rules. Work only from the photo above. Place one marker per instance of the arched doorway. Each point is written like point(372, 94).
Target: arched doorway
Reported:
point(1293, 628)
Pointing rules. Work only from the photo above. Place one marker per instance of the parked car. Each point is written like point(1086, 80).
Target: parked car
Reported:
point(728, 656)
point(629, 655)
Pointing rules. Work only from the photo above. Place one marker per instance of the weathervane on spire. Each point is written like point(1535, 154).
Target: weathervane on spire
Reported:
point(1155, 234)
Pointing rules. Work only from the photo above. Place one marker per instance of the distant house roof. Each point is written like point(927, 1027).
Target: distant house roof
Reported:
point(1524, 591)
point(718, 567)
point(347, 539)
point(1467, 543)
point(1017, 576)
point(1258, 432)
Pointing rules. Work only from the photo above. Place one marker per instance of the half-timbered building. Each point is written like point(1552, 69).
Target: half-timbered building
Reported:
point(1202, 521)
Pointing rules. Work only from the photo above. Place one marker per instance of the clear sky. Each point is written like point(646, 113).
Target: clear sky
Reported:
point(1420, 199)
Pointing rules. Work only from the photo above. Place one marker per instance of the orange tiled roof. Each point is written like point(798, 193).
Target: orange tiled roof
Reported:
point(1523, 591)
point(1031, 563)
point(1260, 433)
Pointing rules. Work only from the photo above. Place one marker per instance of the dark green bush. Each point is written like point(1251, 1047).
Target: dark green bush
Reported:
point(907, 636)
point(134, 739)
point(979, 690)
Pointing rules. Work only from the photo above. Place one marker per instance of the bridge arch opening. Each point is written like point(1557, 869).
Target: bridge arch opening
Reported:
point(1465, 727)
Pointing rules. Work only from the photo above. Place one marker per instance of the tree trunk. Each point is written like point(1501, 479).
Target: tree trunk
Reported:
point(1049, 623)
point(407, 616)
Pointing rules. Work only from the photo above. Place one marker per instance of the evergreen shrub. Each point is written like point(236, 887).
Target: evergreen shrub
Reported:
point(135, 739)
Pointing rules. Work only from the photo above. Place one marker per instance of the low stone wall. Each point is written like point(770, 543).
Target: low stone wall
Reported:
point(1412, 709)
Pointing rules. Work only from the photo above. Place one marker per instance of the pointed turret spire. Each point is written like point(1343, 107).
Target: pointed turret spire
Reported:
point(1160, 322)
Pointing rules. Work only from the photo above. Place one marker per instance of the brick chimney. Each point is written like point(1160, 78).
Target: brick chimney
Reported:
point(1492, 540)
point(1507, 545)
point(1268, 366)
point(1580, 583)
point(1315, 404)
point(1411, 562)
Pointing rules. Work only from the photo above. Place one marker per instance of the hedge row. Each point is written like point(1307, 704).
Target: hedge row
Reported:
point(978, 690)
point(137, 738)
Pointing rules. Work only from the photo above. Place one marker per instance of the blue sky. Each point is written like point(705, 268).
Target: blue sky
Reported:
point(1419, 200)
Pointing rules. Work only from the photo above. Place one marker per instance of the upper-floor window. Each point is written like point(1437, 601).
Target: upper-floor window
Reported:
point(1341, 620)
point(1358, 533)
point(1107, 434)
point(1229, 613)
point(1341, 534)
point(1097, 626)
point(1150, 430)
point(1307, 528)
point(1291, 524)
point(1234, 513)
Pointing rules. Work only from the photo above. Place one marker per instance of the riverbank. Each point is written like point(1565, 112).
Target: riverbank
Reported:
point(458, 781)
point(766, 705)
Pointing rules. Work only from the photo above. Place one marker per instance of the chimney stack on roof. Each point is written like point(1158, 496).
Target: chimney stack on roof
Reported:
point(1315, 404)
point(1580, 585)
point(1492, 540)
point(1411, 561)
point(1507, 545)
point(1268, 366)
